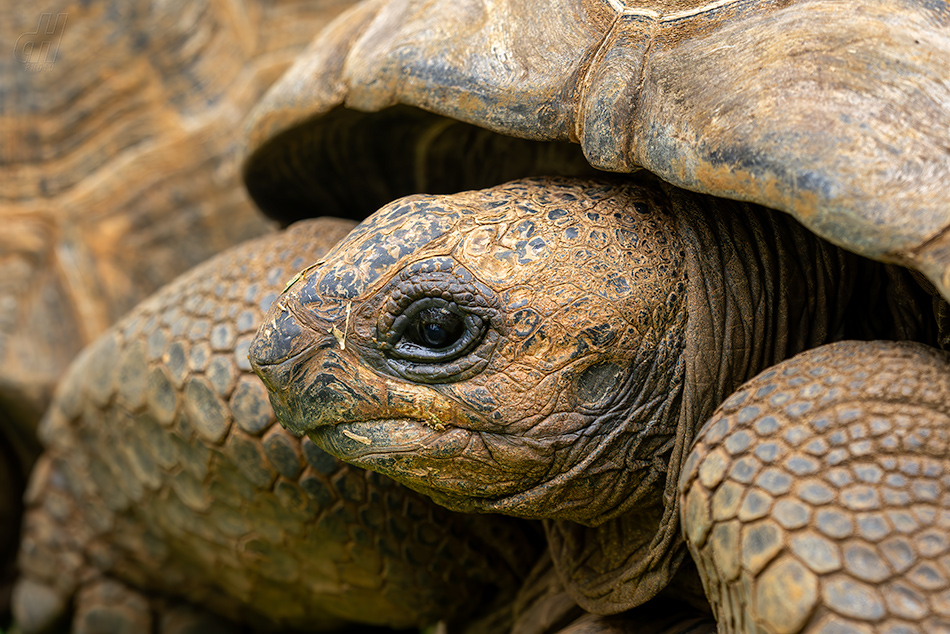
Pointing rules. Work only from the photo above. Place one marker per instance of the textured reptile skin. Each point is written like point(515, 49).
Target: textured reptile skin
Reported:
point(165, 469)
point(817, 498)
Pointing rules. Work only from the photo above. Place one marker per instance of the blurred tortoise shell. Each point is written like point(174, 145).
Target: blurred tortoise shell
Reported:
point(120, 172)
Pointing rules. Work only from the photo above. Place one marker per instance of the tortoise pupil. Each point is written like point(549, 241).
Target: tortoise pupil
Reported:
point(437, 328)
point(435, 335)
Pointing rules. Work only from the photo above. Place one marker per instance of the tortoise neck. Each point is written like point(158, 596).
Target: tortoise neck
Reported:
point(761, 289)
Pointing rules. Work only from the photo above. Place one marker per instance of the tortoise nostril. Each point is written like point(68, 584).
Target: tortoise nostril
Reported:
point(277, 340)
point(274, 375)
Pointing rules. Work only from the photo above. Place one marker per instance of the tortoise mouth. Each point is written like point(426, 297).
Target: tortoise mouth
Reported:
point(362, 439)
point(437, 463)
point(347, 163)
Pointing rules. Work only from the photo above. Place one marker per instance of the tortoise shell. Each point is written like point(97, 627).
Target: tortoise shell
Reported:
point(837, 113)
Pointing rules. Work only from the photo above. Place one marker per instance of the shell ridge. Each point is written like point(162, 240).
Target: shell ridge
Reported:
point(933, 239)
point(602, 47)
point(681, 15)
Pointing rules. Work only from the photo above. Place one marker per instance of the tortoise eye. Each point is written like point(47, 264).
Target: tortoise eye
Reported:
point(433, 330)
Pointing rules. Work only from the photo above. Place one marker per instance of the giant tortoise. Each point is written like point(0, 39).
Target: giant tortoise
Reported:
point(527, 70)
point(550, 348)
point(119, 171)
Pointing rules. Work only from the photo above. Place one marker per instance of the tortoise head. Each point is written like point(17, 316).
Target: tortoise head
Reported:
point(510, 350)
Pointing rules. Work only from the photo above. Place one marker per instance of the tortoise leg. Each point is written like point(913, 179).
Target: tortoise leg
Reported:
point(59, 581)
point(817, 498)
point(655, 617)
point(543, 606)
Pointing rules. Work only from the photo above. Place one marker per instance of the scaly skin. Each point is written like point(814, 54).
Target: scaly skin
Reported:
point(584, 330)
point(165, 471)
point(816, 498)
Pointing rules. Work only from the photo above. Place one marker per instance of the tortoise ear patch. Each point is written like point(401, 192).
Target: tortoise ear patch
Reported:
point(597, 382)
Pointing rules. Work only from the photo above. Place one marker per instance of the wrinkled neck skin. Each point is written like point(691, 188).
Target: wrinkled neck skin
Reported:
point(760, 288)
